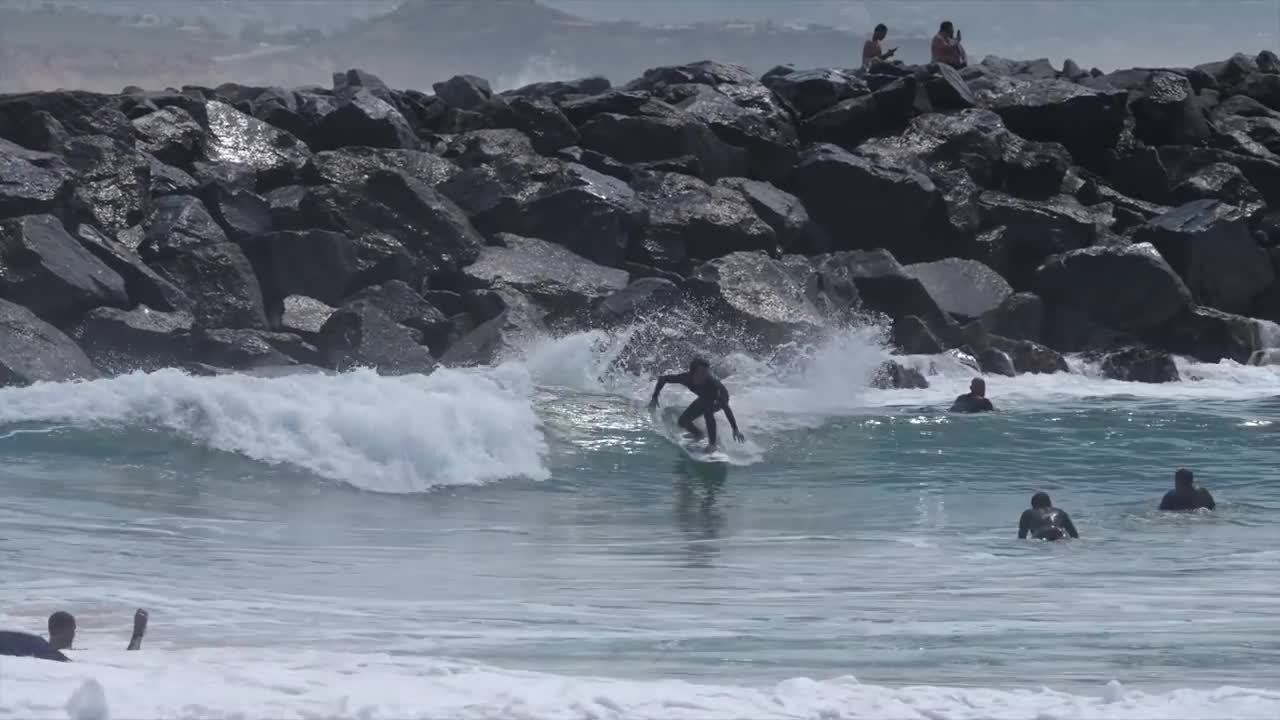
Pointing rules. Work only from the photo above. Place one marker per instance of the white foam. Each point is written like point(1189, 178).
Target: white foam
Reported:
point(386, 434)
point(227, 683)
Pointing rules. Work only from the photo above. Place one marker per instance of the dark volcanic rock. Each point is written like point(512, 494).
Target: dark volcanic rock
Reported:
point(760, 294)
point(893, 376)
point(690, 220)
point(113, 181)
point(142, 284)
point(186, 247)
point(1030, 357)
point(638, 300)
point(316, 263)
point(746, 115)
point(1220, 181)
point(32, 351)
point(541, 120)
point(465, 92)
point(865, 203)
point(241, 214)
point(1167, 111)
point(1086, 121)
point(79, 113)
point(1140, 365)
point(559, 90)
point(1034, 230)
point(169, 134)
point(406, 306)
point(252, 349)
point(783, 212)
point(122, 341)
point(46, 270)
point(303, 316)
point(354, 165)
point(810, 92)
point(490, 147)
point(363, 119)
point(361, 335)
point(850, 122)
point(1209, 244)
point(912, 336)
point(550, 274)
point(169, 180)
point(25, 187)
point(621, 102)
point(275, 156)
point(516, 321)
point(966, 289)
point(946, 89)
point(427, 224)
point(1211, 336)
point(1127, 288)
point(643, 139)
point(1019, 317)
point(1263, 172)
point(884, 286)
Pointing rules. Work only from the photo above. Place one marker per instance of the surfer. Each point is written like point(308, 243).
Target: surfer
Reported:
point(1185, 495)
point(712, 396)
point(62, 634)
point(1043, 521)
point(975, 400)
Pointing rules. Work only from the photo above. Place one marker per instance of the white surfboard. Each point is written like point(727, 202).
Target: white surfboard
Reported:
point(695, 448)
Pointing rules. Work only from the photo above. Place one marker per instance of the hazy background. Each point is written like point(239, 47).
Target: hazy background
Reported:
point(106, 44)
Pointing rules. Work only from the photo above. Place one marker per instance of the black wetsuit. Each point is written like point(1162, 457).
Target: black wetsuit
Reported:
point(1046, 524)
point(712, 397)
point(970, 403)
point(20, 644)
point(1200, 498)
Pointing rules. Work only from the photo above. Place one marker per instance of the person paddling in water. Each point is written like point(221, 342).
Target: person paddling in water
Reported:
point(1043, 521)
point(712, 396)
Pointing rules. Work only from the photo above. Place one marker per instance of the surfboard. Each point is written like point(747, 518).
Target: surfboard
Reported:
point(694, 448)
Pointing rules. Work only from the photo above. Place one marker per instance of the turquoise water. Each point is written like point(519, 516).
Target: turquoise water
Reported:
point(859, 532)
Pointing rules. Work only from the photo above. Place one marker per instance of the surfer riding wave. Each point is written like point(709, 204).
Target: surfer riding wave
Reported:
point(712, 397)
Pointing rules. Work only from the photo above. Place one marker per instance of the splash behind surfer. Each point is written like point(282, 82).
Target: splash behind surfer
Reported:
point(712, 397)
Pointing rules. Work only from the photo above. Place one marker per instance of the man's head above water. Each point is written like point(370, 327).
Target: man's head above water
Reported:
point(62, 630)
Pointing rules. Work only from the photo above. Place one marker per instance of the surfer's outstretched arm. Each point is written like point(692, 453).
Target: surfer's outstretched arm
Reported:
point(728, 413)
point(662, 381)
point(1069, 526)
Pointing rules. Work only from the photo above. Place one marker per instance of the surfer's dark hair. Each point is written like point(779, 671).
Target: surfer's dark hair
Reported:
point(698, 362)
point(1041, 499)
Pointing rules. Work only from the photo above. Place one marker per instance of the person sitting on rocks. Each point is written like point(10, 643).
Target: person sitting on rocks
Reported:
point(1043, 521)
point(946, 48)
point(62, 634)
point(872, 51)
point(1185, 495)
point(975, 400)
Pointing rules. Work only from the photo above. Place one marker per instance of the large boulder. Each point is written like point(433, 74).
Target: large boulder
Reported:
point(1128, 288)
point(782, 211)
point(242, 215)
point(465, 92)
point(865, 203)
point(186, 247)
point(690, 220)
point(1020, 316)
point(746, 115)
point(637, 301)
point(1220, 181)
point(509, 324)
point(1262, 169)
point(361, 335)
point(1031, 231)
point(491, 147)
point(850, 122)
point(354, 165)
point(121, 341)
point(362, 118)
point(46, 270)
point(426, 223)
point(406, 306)
point(541, 120)
point(244, 349)
point(1026, 356)
point(884, 286)
point(170, 134)
point(142, 284)
point(1086, 121)
point(113, 181)
point(276, 156)
point(317, 263)
point(891, 375)
point(1210, 246)
point(550, 274)
point(32, 350)
point(1167, 111)
point(26, 188)
point(758, 294)
point(648, 139)
point(1140, 365)
point(1212, 336)
point(809, 92)
point(592, 214)
point(303, 316)
point(966, 289)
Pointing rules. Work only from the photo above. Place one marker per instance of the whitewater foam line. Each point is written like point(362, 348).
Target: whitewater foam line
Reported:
point(227, 683)
point(384, 434)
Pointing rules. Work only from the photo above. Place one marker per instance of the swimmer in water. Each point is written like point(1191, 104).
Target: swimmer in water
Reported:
point(1043, 521)
point(62, 634)
point(1185, 495)
point(975, 400)
point(712, 397)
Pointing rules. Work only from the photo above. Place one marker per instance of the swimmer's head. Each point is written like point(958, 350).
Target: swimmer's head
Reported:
point(1184, 479)
point(1041, 500)
point(978, 387)
point(62, 630)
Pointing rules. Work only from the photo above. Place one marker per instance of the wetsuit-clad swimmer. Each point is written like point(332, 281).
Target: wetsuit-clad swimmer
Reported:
point(712, 396)
point(62, 634)
point(975, 400)
point(1185, 495)
point(1043, 521)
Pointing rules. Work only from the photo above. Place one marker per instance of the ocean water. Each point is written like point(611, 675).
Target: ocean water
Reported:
point(521, 542)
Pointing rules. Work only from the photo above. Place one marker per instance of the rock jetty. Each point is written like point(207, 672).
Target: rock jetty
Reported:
point(1009, 211)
